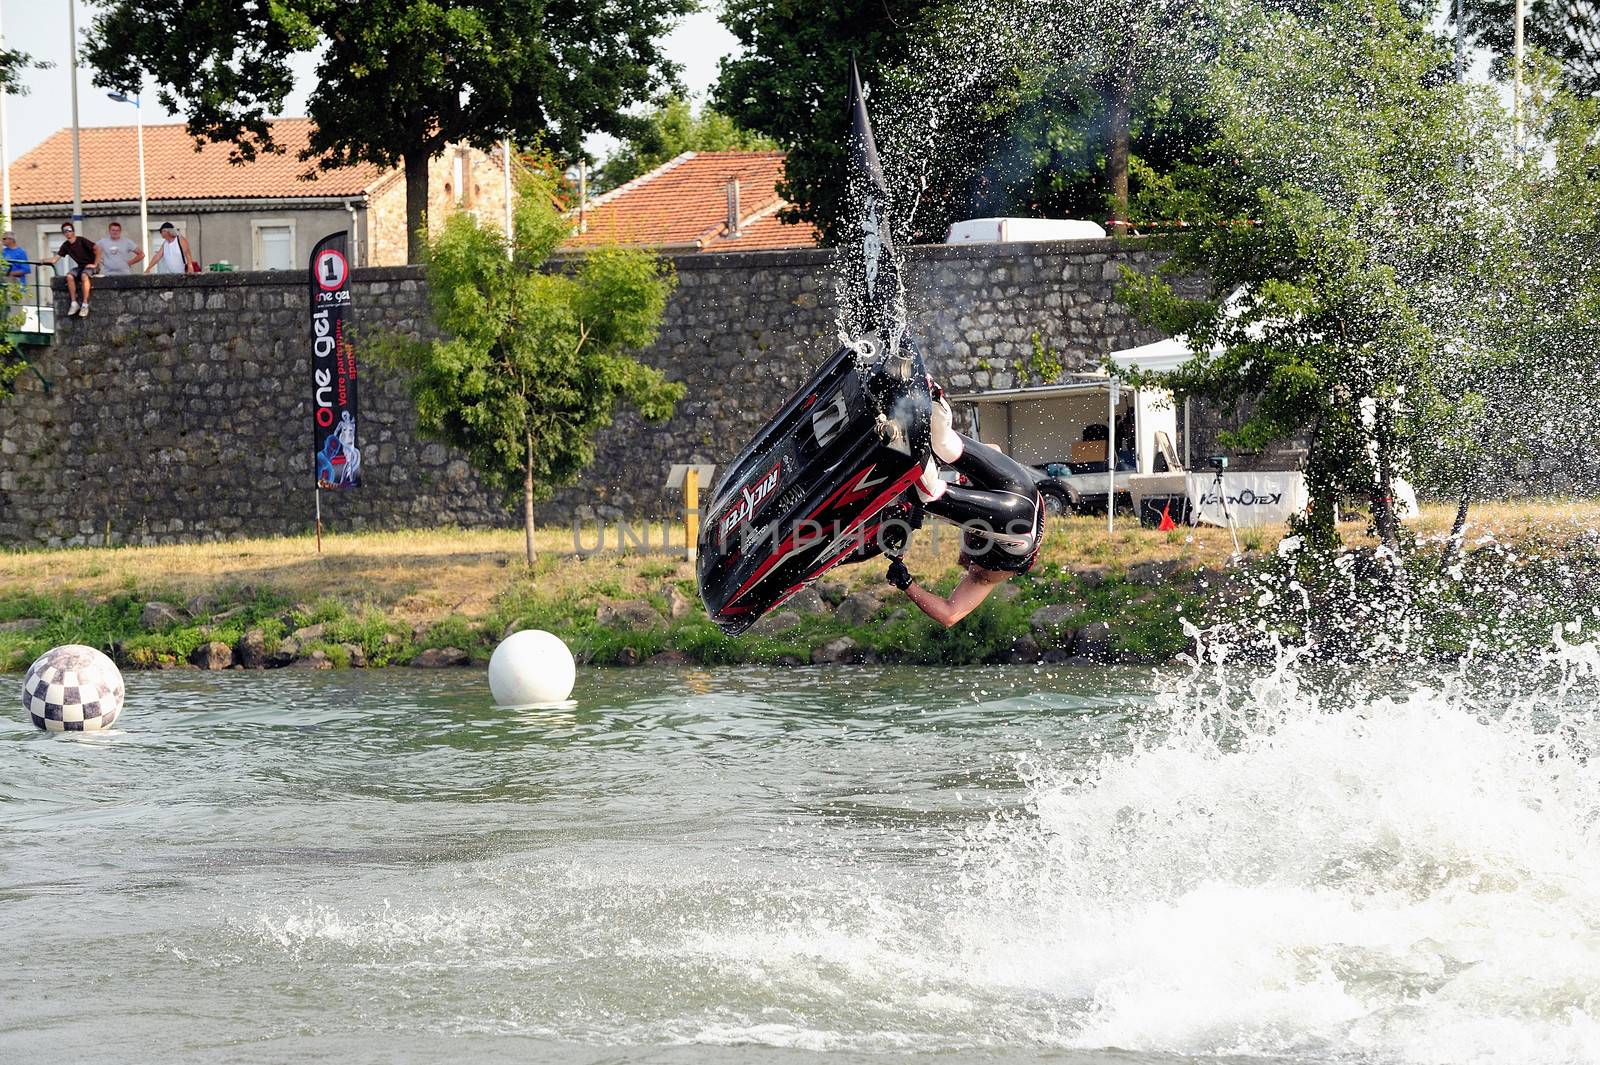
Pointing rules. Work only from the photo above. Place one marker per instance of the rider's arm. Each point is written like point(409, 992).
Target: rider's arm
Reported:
point(947, 610)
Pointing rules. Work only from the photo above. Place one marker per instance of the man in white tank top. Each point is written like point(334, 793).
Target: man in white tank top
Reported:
point(173, 257)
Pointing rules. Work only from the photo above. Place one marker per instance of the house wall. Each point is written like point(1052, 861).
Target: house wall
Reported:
point(223, 233)
point(480, 190)
point(181, 410)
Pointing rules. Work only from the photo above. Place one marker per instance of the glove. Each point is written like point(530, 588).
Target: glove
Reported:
point(898, 575)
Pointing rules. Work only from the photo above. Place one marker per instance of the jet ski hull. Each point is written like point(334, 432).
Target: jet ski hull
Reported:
point(798, 499)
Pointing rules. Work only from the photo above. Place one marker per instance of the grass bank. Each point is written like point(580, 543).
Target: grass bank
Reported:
point(387, 598)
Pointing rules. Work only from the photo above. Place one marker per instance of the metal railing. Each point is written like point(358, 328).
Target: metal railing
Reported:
point(37, 303)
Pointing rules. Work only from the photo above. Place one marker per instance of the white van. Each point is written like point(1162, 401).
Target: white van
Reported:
point(1014, 230)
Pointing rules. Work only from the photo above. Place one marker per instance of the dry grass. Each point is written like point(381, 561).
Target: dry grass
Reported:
point(424, 575)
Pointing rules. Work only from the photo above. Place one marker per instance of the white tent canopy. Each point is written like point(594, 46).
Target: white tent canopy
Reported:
point(1163, 356)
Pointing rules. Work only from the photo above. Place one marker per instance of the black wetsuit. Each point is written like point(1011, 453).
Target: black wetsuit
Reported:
point(1000, 513)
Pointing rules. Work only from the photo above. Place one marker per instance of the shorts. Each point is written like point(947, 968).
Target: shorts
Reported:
point(81, 271)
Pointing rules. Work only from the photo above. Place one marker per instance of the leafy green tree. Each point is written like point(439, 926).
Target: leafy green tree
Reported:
point(1351, 201)
point(1011, 107)
point(1528, 318)
point(12, 64)
point(535, 360)
point(669, 131)
point(399, 80)
point(1566, 30)
point(1064, 95)
point(791, 83)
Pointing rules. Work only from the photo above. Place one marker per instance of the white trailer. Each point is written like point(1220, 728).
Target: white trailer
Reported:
point(1092, 435)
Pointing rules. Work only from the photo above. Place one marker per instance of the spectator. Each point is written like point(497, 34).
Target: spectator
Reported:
point(17, 267)
point(117, 254)
point(174, 255)
point(85, 259)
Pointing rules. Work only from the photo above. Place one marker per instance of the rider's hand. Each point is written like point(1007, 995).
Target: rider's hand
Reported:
point(898, 575)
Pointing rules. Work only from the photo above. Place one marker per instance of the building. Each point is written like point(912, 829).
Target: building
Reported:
point(698, 201)
point(262, 215)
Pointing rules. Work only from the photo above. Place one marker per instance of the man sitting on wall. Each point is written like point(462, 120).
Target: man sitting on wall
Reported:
point(85, 259)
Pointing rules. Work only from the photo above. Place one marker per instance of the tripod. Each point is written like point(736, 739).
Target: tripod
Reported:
point(1227, 515)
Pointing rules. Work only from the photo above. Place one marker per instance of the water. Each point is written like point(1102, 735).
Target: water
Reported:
point(852, 864)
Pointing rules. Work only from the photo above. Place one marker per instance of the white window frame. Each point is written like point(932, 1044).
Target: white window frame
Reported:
point(257, 225)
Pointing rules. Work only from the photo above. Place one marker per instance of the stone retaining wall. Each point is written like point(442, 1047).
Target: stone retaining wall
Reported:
point(180, 410)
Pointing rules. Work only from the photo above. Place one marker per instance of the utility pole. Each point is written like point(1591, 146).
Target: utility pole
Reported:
point(1516, 83)
point(1461, 40)
point(77, 164)
point(5, 166)
point(137, 101)
point(583, 196)
point(505, 149)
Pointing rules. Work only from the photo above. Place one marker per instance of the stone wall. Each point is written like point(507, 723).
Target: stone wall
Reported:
point(180, 409)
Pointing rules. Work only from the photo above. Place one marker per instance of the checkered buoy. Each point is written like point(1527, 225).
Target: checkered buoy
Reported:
point(72, 689)
point(531, 668)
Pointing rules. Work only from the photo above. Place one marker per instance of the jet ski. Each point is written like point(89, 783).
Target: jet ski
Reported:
point(813, 483)
point(804, 493)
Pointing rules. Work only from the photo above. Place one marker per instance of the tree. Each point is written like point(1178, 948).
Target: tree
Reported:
point(669, 131)
point(536, 359)
point(1012, 107)
point(1075, 86)
point(399, 80)
point(1348, 207)
point(12, 64)
point(790, 83)
point(1566, 30)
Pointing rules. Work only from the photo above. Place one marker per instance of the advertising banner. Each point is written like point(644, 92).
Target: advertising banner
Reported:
point(1253, 499)
point(333, 367)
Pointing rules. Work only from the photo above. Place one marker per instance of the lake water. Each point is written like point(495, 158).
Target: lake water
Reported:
point(852, 864)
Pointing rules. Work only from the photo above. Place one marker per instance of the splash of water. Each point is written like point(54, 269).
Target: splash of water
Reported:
point(1411, 876)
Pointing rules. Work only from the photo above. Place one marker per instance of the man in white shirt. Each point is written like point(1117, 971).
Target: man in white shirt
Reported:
point(117, 253)
point(172, 255)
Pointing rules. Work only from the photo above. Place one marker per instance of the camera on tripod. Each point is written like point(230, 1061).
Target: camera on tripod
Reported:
point(1218, 462)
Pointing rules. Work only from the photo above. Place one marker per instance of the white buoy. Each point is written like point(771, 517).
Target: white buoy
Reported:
point(72, 689)
point(530, 668)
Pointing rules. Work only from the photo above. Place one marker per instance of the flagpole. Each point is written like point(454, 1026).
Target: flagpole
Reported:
point(319, 518)
point(1111, 459)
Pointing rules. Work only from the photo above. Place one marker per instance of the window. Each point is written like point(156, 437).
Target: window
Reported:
point(465, 189)
point(49, 240)
point(272, 244)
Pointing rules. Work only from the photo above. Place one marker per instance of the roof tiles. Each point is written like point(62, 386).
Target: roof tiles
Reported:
point(174, 170)
point(684, 203)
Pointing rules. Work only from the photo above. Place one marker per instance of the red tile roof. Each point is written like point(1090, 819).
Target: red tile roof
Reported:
point(684, 203)
point(174, 170)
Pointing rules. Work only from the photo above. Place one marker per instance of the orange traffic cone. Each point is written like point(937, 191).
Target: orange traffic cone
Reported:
point(1166, 518)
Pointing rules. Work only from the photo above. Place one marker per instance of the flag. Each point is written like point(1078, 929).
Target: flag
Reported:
point(333, 368)
point(1166, 519)
point(876, 301)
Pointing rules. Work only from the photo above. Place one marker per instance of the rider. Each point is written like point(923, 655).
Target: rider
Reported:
point(1000, 512)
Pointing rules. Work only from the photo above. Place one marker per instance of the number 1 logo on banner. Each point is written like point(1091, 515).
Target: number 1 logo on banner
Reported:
point(331, 270)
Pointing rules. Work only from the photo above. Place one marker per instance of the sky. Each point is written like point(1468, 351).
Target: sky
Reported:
point(40, 28)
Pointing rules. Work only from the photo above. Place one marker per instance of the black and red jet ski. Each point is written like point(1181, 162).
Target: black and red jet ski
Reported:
point(811, 484)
